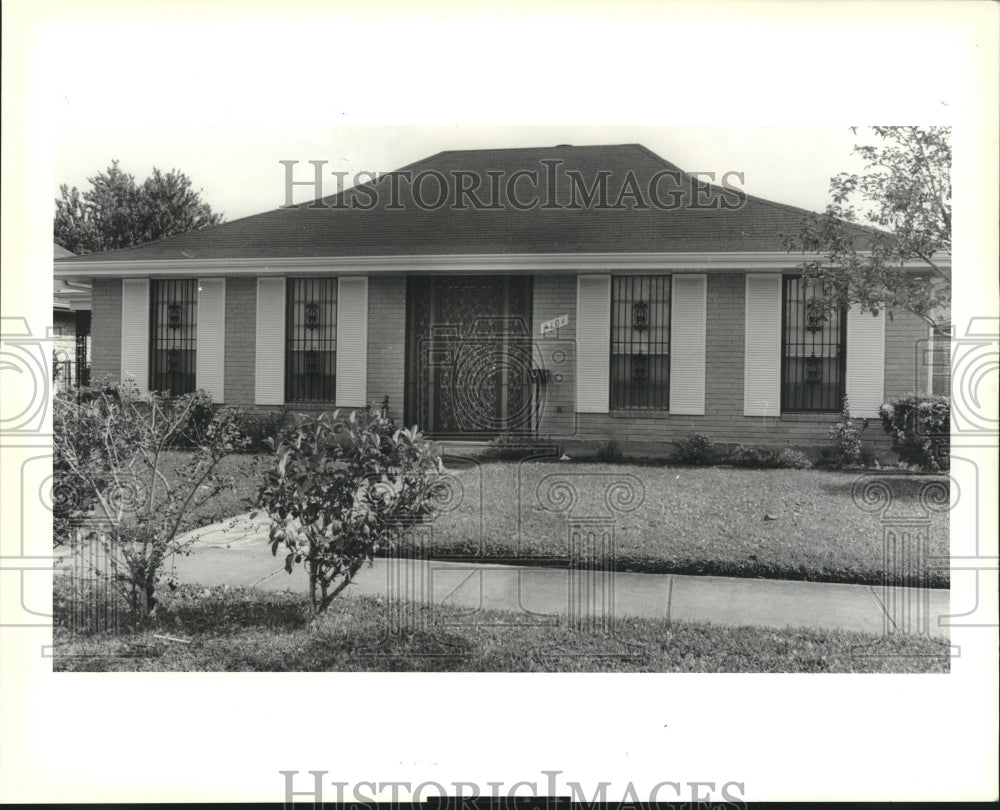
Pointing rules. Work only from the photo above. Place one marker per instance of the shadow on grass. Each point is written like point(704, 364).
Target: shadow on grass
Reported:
point(88, 610)
point(253, 631)
point(908, 488)
point(225, 611)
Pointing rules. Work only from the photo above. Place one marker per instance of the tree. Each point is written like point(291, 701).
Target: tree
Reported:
point(898, 211)
point(113, 484)
point(116, 212)
point(343, 489)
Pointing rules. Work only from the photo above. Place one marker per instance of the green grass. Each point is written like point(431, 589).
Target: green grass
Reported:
point(693, 520)
point(247, 630)
point(247, 470)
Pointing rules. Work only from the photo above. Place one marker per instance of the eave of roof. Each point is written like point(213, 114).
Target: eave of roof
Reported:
point(527, 263)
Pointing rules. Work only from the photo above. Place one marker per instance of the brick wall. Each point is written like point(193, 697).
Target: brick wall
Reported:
point(106, 329)
point(556, 353)
point(554, 295)
point(652, 432)
point(905, 354)
point(241, 336)
point(387, 342)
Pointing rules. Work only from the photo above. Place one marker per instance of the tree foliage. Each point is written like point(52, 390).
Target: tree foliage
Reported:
point(342, 489)
point(116, 212)
point(897, 211)
point(920, 428)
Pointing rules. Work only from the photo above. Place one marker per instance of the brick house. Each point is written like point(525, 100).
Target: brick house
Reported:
point(585, 294)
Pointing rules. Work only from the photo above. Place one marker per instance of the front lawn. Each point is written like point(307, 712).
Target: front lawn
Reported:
point(247, 470)
point(782, 524)
point(223, 629)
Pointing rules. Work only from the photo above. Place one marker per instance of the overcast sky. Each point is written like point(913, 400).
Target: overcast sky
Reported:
point(224, 99)
point(238, 171)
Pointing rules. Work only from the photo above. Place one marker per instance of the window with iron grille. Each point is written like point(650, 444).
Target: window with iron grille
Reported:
point(814, 342)
point(640, 342)
point(311, 345)
point(173, 335)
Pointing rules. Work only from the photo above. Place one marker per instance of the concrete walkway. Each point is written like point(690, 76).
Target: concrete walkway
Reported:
point(238, 554)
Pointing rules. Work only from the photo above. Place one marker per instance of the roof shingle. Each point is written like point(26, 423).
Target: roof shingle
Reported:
point(698, 217)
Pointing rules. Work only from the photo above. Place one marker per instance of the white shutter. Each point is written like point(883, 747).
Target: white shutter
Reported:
point(210, 356)
point(762, 341)
point(352, 341)
point(135, 331)
point(269, 366)
point(687, 344)
point(865, 361)
point(593, 343)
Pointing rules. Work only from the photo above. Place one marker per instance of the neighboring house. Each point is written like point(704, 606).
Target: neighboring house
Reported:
point(70, 327)
point(609, 297)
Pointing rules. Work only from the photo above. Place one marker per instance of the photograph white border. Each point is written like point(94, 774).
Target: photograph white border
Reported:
point(225, 737)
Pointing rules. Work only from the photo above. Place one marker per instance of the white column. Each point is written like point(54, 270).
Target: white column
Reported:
point(865, 361)
point(762, 346)
point(269, 365)
point(210, 357)
point(688, 316)
point(593, 343)
point(352, 341)
point(135, 332)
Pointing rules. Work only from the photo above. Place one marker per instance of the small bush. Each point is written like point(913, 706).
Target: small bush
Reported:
point(609, 453)
point(846, 437)
point(696, 449)
point(344, 488)
point(920, 429)
point(514, 447)
point(258, 427)
point(790, 459)
point(201, 412)
point(109, 451)
point(768, 458)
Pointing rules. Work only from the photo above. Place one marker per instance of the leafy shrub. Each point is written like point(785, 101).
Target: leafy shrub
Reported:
point(696, 449)
point(109, 446)
point(509, 446)
point(200, 413)
point(920, 429)
point(259, 426)
point(609, 453)
point(791, 459)
point(344, 488)
point(846, 438)
point(768, 458)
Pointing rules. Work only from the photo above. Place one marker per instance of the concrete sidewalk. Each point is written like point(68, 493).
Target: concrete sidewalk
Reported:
point(238, 554)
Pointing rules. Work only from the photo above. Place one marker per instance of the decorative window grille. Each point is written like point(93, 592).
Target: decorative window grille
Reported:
point(814, 343)
point(640, 342)
point(815, 316)
point(173, 335)
point(311, 344)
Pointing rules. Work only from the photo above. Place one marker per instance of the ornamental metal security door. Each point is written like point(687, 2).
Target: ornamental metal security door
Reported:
point(469, 355)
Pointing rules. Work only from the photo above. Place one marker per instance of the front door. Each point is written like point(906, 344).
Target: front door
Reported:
point(469, 355)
